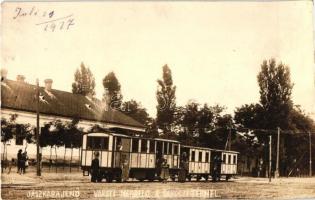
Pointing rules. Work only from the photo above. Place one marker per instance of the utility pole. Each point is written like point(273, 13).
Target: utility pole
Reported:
point(228, 141)
point(269, 158)
point(37, 129)
point(310, 138)
point(278, 147)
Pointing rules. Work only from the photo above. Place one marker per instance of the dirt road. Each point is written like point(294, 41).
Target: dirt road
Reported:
point(75, 186)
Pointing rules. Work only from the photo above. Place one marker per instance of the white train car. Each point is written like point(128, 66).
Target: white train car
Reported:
point(224, 164)
point(170, 151)
point(110, 159)
point(198, 162)
point(142, 156)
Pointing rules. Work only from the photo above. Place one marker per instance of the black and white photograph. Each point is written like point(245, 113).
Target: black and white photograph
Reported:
point(158, 99)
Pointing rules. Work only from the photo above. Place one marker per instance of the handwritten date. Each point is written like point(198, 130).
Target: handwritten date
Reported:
point(49, 21)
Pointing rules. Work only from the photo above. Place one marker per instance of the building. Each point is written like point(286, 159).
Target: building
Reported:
point(19, 97)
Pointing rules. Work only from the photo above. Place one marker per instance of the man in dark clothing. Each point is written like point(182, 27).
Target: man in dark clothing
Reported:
point(95, 168)
point(19, 161)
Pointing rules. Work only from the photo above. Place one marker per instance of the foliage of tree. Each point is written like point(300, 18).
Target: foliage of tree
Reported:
point(275, 94)
point(84, 81)
point(275, 109)
point(152, 128)
point(203, 125)
point(135, 110)
point(166, 100)
point(112, 94)
point(10, 129)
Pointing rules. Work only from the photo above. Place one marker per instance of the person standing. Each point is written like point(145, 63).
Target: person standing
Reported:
point(95, 168)
point(24, 162)
point(125, 170)
point(19, 161)
point(183, 169)
point(164, 171)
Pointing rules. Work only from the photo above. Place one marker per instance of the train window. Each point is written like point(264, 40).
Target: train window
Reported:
point(207, 157)
point(229, 159)
point(193, 156)
point(159, 148)
point(119, 144)
point(234, 159)
point(169, 149)
point(224, 158)
point(135, 145)
point(200, 156)
point(152, 146)
point(100, 143)
point(144, 146)
point(165, 147)
point(175, 149)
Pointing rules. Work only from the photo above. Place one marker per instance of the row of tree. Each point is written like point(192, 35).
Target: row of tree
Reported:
point(200, 124)
point(205, 125)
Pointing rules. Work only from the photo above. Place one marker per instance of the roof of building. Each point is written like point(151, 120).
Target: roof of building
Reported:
point(22, 96)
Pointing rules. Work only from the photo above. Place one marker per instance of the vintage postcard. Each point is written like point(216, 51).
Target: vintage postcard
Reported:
point(157, 100)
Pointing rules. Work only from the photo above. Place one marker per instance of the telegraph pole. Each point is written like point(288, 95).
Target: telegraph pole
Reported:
point(269, 158)
point(229, 140)
point(310, 138)
point(37, 129)
point(278, 147)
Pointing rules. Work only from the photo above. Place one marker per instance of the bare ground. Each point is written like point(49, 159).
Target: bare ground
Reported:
point(74, 185)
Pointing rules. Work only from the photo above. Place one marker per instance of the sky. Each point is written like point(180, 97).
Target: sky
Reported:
point(213, 48)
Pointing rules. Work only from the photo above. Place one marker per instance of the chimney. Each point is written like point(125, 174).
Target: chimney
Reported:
point(20, 78)
point(48, 84)
point(4, 73)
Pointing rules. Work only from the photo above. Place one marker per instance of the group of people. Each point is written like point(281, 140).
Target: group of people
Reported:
point(22, 162)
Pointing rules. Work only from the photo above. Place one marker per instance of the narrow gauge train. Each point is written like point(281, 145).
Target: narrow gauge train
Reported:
point(143, 157)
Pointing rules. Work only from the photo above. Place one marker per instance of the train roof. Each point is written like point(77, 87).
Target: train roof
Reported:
point(210, 149)
point(128, 136)
point(166, 140)
point(203, 148)
point(225, 151)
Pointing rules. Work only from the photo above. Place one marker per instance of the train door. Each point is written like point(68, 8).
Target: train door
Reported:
point(122, 151)
point(159, 156)
point(215, 165)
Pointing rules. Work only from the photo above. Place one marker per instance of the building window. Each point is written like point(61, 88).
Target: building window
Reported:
point(193, 156)
point(224, 158)
point(229, 159)
point(234, 159)
point(98, 143)
point(207, 156)
point(144, 146)
point(19, 140)
point(135, 145)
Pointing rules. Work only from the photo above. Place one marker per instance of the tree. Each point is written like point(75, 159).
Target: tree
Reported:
point(10, 129)
point(275, 94)
point(84, 81)
point(134, 109)
point(274, 110)
point(53, 135)
point(112, 95)
point(72, 137)
point(165, 96)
